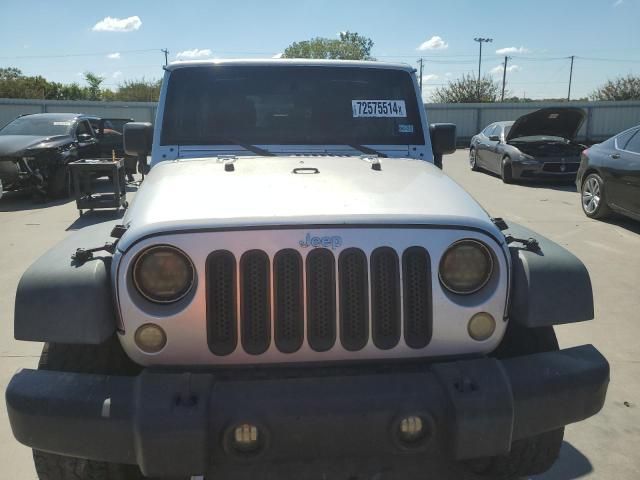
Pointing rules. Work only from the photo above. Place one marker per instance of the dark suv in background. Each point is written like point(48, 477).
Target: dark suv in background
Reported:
point(35, 150)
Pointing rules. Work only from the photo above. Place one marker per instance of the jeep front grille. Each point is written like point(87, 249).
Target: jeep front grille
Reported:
point(355, 299)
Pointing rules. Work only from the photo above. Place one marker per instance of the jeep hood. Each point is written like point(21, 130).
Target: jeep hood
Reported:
point(562, 122)
point(12, 145)
point(309, 190)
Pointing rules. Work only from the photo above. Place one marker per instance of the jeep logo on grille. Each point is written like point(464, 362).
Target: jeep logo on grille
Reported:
point(334, 241)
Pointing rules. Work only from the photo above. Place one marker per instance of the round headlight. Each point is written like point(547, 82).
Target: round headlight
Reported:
point(466, 267)
point(163, 274)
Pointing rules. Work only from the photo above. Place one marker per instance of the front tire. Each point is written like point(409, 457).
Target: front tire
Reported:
point(473, 159)
point(533, 455)
point(506, 172)
point(107, 359)
point(593, 197)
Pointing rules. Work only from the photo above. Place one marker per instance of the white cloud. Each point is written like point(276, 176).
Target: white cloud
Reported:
point(617, 3)
point(429, 77)
point(277, 55)
point(114, 56)
point(195, 53)
point(434, 43)
point(117, 74)
point(112, 24)
point(448, 74)
point(497, 70)
point(508, 50)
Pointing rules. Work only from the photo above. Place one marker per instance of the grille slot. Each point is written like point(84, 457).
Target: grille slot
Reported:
point(354, 299)
point(416, 269)
point(288, 313)
point(255, 305)
point(385, 298)
point(222, 334)
point(321, 300)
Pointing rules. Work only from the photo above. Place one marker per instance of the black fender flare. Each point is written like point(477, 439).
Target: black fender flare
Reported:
point(63, 301)
point(548, 287)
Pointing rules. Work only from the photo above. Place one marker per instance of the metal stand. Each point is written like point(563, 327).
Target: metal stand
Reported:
point(84, 173)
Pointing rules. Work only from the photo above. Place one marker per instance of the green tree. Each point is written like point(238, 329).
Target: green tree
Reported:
point(10, 73)
point(621, 88)
point(95, 81)
point(138, 91)
point(465, 90)
point(350, 46)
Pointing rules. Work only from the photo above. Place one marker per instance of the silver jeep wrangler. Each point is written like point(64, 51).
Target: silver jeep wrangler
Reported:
point(297, 291)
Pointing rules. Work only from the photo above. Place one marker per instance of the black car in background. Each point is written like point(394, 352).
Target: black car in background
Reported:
point(609, 176)
point(35, 150)
point(539, 145)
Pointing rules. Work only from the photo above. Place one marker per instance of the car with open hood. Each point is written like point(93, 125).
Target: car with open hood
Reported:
point(36, 149)
point(537, 146)
point(298, 291)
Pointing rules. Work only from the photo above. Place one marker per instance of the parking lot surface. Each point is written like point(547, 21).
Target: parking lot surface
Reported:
point(603, 447)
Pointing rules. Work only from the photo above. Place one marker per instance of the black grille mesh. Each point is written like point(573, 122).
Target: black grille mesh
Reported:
point(385, 298)
point(416, 267)
point(288, 314)
point(321, 300)
point(321, 309)
point(354, 299)
point(255, 302)
point(222, 334)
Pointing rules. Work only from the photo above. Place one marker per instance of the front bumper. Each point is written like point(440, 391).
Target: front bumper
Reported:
point(545, 171)
point(182, 423)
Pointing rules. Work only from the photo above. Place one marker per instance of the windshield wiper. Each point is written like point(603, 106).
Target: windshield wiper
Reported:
point(251, 148)
point(367, 150)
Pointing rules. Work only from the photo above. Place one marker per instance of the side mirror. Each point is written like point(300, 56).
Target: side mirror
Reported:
point(443, 138)
point(138, 138)
point(84, 138)
point(494, 138)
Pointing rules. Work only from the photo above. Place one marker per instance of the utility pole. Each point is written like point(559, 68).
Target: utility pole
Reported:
point(570, 78)
point(421, 61)
point(504, 77)
point(480, 41)
point(166, 54)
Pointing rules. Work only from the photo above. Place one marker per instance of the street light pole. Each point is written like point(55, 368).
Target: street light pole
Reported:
point(480, 41)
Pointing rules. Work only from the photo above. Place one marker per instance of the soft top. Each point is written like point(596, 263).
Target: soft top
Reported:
point(271, 62)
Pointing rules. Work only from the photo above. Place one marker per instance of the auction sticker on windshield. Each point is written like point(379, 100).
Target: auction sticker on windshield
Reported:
point(378, 108)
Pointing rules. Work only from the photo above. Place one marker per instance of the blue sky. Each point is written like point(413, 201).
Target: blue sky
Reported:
point(60, 40)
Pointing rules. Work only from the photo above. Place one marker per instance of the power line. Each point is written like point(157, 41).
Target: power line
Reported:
point(68, 55)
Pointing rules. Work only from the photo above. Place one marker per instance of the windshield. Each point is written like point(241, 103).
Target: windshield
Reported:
point(41, 126)
point(291, 105)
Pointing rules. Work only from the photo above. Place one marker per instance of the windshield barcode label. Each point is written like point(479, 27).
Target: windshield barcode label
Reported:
point(378, 108)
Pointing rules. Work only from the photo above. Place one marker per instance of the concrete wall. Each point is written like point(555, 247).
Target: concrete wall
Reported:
point(604, 119)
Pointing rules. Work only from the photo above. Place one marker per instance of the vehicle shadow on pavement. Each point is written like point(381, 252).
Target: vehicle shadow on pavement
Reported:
point(571, 464)
point(94, 217)
point(22, 201)
point(563, 186)
point(623, 222)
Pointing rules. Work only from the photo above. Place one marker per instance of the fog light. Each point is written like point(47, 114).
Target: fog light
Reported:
point(246, 437)
point(411, 429)
point(150, 338)
point(481, 326)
